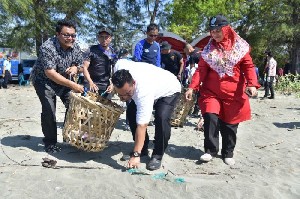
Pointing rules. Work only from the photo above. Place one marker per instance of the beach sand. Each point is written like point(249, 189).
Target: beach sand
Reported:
point(267, 157)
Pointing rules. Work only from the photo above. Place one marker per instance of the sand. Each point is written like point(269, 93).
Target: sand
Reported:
point(267, 157)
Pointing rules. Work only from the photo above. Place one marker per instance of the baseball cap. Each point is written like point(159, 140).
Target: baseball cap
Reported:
point(217, 21)
point(165, 45)
point(105, 29)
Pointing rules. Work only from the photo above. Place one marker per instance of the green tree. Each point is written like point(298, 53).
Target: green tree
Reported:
point(262, 24)
point(30, 22)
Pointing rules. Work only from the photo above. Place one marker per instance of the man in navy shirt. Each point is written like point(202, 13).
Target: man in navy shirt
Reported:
point(148, 50)
point(97, 65)
point(171, 60)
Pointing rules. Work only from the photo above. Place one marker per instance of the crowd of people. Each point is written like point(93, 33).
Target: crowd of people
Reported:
point(222, 75)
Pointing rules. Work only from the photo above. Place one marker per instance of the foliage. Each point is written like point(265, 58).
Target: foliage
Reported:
point(30, 22)
point(262, 24)
point(289, 84)
point(25, 24)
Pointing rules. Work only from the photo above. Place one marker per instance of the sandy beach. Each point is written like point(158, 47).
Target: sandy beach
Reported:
point(267, 157)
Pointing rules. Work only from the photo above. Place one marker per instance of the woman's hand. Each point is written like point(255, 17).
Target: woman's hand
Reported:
point(189, 94)
point(251, 91)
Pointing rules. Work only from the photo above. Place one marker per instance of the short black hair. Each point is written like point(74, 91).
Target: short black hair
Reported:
point(60, 24)
point(152, 26)
point(269, 53)
point(121, 77)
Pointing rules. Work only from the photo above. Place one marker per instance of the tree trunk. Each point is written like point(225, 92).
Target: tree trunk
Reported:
point(154, 13)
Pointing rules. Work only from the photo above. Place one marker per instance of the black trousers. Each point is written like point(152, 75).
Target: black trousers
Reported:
point(164, 108)
point(270, 87)
point(47, 96)
point(7, 79)
point(212, 126)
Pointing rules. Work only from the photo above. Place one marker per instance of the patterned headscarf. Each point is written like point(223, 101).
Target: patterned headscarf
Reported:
point(223, 56)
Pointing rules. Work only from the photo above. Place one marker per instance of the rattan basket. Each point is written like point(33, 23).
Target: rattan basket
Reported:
point(181, 110)
point(90, 121)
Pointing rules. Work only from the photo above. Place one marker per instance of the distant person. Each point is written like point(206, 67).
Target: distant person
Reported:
point(271, 65)
point(97, 65)
point(7, 71)
point(51, 77)
point(171, 60)
point(194, 56)
point(280, 72)
point(287, 67)
point(144, 85)
point(148, 50)
point(124, 54)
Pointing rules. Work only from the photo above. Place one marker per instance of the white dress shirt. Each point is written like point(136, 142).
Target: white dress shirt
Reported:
point(152, 83)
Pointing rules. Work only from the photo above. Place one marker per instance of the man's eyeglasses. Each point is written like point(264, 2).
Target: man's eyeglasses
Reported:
point(66, 36)
point(129, 93)
point(153, 35)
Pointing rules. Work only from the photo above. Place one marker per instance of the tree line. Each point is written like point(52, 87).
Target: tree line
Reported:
point(266, 25)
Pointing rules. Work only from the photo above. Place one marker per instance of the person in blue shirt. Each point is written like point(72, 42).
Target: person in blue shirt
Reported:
point(148, 50)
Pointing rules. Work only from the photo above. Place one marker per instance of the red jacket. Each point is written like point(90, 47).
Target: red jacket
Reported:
point(225, 96)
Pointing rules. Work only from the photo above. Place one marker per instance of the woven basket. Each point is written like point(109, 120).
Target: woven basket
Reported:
point(182, 110)
point(90, 121)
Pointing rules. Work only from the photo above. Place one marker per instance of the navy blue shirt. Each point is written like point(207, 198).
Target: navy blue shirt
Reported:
point(146, 52)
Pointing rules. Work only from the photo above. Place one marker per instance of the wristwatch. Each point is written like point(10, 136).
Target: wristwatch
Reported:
point(135, 154)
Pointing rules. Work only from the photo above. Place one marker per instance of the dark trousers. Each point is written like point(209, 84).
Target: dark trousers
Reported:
point(269, 87)
point(7, 79)
point(212, 126)
point(47, 96)
point(164, 108)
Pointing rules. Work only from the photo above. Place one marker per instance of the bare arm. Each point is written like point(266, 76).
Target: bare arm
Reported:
point(138, 145)
point(59, 79)
point(181, 68)
point(86, 64)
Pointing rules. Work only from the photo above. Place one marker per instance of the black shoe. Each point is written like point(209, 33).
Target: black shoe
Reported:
point(52, 148)
point(272, 97)
point(154, 163)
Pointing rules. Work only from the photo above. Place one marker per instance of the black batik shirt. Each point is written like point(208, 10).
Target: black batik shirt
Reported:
point(53, 56)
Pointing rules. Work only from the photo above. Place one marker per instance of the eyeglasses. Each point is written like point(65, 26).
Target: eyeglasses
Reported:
point(66, 36)
point(129, 93)
point(104, 37)
point(153, 35)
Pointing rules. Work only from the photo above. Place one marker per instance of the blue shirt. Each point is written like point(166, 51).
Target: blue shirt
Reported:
point(146, 52)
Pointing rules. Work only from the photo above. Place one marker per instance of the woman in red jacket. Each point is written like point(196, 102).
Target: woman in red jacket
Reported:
point(225, 76)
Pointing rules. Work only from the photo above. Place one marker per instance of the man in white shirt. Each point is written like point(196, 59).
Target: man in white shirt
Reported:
point(148, 87)
point(271, 73)
point(7, 71)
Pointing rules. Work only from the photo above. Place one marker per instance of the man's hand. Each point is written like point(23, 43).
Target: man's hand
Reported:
point(189, 94)
point(93, 87)
point(110, 88)
point(77, 88)
point(251, 91)
point(72, 70)
point(133, 162)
